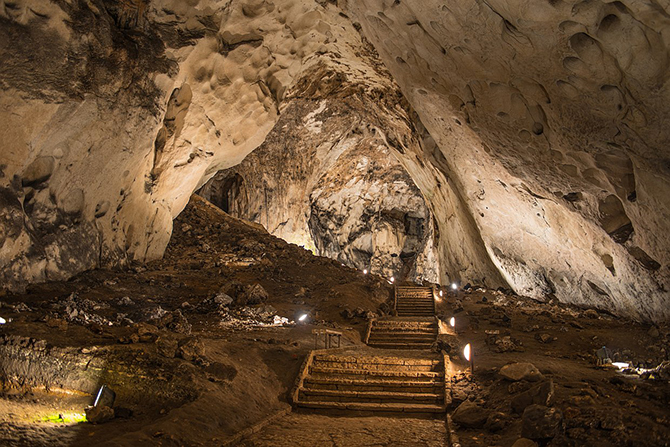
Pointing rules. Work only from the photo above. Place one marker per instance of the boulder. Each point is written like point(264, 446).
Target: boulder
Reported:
point(38, 171)
point(167, 346)
point(496, 421)
point(521, 371)
point(542, 394)
point(191, 349)
point(253, 294)
point(469, 414)
point(146, 332)
point(223, 299)
point(540, 422)
point(99, 414)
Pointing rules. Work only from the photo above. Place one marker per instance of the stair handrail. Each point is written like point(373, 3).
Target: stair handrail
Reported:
point(300, 380)
point(395, 299)
point(369, 331)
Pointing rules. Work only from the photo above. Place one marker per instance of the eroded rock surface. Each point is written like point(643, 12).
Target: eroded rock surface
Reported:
point(326, 179)
point(550, 119)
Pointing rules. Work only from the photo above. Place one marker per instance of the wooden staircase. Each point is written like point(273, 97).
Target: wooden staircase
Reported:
point(413, 301)
point(403, 333)
point(382, 383)
point(373, 385)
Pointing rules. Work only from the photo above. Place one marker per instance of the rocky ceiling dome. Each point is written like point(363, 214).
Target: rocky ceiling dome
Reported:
point(536, 132)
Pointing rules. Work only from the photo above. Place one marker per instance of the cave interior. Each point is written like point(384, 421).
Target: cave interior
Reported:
point(335, 223)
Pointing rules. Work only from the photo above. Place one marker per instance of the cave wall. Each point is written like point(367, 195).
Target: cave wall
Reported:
point(114, 112)
point(326, 179)
point(550, 118)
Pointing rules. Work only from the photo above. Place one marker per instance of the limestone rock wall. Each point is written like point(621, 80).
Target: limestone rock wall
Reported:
point(114, 112)
point(326, 180)
point(550, 117)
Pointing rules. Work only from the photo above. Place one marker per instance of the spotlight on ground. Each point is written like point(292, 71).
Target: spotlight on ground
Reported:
point(105, 397)
point(452, 322)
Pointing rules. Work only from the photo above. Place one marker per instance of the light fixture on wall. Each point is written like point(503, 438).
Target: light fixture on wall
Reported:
point(454, 286)
point(452, 322)
point(467, 353)
point(365, 271)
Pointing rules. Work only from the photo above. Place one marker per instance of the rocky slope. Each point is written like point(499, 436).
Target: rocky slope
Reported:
point(536, 133)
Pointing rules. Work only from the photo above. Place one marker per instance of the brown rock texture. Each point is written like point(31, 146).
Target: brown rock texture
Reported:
point(536, 133)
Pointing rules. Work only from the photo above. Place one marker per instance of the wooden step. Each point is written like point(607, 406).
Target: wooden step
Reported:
point(400, 375)
point(403, 334)
point(401, 326)
point(404, 408)
point(385, 360)
point(400, 345)
point(409, 330)
point(308, 394)
point(403, 341)
point(371, 367)
point(338, 383)
point(400, 304)
point(426, 312)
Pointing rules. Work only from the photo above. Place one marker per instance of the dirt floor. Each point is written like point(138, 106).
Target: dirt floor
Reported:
point(189, 346)
point(308, 430)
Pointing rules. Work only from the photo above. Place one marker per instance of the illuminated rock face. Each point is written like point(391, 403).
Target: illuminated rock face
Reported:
point(326, 179)
point(535, 131)
point(551, 118)
point(114, 112)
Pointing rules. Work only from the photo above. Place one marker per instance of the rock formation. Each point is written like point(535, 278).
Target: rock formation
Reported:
point(326, 179)
point(534, 131)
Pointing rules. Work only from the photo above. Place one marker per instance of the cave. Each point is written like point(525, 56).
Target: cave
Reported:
point(334, 222)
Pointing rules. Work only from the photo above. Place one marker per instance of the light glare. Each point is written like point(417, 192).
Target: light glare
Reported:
point(2, 320)
point(97, 398)
point(302, 317)
point(441, 294)
point(454, 286)
point(452, 322)
point(365, 271)
point(466, 352)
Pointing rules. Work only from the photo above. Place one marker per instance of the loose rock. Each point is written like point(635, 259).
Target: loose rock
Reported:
point(471, 415)
point(540, 422)
point(521, 371)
